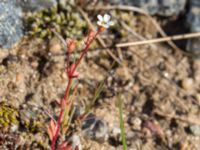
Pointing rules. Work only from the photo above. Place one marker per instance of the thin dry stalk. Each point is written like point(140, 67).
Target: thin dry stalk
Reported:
point(159, 40)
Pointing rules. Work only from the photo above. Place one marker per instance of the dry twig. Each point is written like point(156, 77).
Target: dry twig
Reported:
point(158, 40)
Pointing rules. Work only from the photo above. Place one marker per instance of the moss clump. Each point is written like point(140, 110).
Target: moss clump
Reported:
point(8, 115)
point(33, 125)
point(63, 18)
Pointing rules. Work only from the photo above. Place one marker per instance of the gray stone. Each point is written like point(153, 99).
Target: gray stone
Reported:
point(33, 5)
point(76, 142)
point(11, 27)
point(94, 128)
point(193, 21)
point(195, 129)
point(115, 134)
point(160, 7)
point(193, 17)
point(171, 7)
point(11, 24)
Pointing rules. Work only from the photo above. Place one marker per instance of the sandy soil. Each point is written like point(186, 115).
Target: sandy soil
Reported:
point(160, 92)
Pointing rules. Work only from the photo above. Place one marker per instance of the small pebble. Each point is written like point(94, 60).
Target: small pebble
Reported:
point(116, 131)
point(34, 64)
point(197, 96)
point(94, 128)
point(76, 142)
point(19, 77)
point(105, 63)
point(14, 128)
point(122, 72)
point(187, 83)
point(136, 123)
point(195, 129)
point(116, 134)
point(55, 46)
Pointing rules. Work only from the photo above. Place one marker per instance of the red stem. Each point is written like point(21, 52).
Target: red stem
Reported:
point(85, 50)
point(60, 116)
point(68, 87)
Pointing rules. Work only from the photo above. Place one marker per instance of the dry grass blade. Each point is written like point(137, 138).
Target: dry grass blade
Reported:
point(158, 40)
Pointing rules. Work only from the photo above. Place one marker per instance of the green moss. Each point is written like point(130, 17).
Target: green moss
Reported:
point(8, 115)
point(33, 126)
point(63, 19)
point(41, 144)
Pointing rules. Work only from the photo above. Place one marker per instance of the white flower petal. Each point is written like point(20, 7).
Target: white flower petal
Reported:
point(100, 17)
point(105, 26)
point(99, 23)
point(110, 23)
point(106, 17)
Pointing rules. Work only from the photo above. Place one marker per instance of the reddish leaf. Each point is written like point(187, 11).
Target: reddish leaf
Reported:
point(64, 146)
point(51, 129)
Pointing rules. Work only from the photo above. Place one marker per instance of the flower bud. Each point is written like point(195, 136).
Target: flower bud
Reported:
point(71, 44)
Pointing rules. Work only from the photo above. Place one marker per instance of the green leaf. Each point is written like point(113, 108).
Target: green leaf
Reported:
point(123, 135)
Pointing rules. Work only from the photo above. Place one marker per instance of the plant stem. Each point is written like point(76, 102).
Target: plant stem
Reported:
point(123, 135)
point(64, 100)
point(60, 115)
point(85, 50)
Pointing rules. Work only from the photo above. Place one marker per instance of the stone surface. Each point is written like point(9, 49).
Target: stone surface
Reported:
point(11, 27)
point(187, 84)
point(33, 5)
point(195, 129)
point(160, 7)
point(94, 128)
point(76, 142)
point(193, 20)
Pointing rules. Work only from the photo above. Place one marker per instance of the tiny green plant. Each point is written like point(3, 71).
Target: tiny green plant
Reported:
point(66, 102)
point(123, 135)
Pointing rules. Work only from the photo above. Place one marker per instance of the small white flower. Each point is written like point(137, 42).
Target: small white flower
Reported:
point(104, 21)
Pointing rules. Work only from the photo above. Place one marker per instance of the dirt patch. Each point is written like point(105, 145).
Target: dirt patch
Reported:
point(160, 92)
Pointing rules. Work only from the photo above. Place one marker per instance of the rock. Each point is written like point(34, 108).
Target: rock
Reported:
point(159, 7)
point(34, 5)
point(55, 46)
point(195, 129)
point(135, 123)
point(122, 72)
point(193, 21)
point(193, 17)
point(94, 128)
point(76, 142)
point(11, 27)
point(187, 84)
point(115, 134)
point(11, 24)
